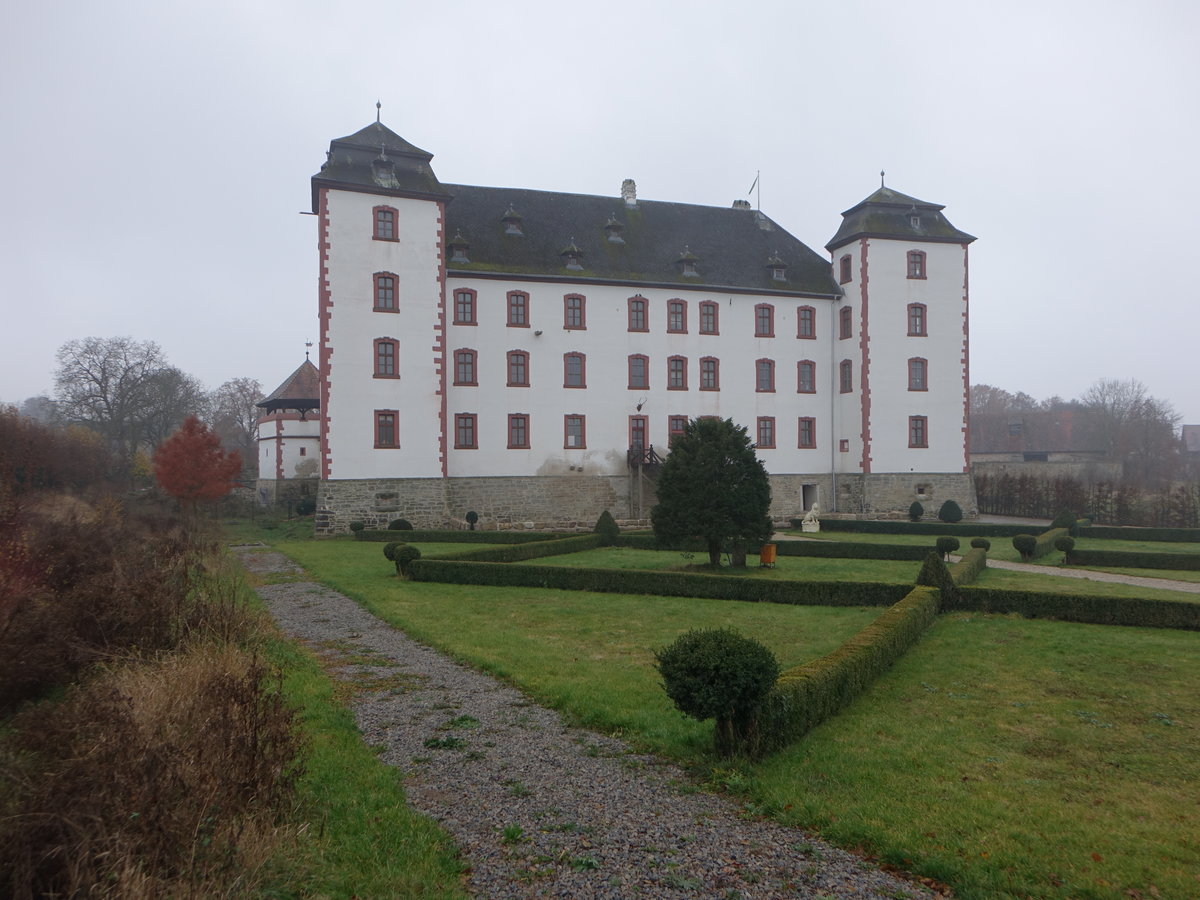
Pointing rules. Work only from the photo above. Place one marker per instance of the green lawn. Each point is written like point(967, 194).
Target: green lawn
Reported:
point(1050, 583)
point(786, 567)
point(1006, 757)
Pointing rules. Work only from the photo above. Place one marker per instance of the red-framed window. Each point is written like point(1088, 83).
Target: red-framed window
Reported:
point(638, 317)
point(806, 433)
point(518, 368)
point(916, 320)
point(710, 318)
point(918, 431)
point(518, 309)
point(574, 370)
point(575, 312)
point(766, 433)
point(806, 322)
point(387, 429)
point(639, 432)
point(845, 376)
point(844, 445)
point(806, 377)
point(385, 292)
point(677, 316)
point(518, 431)
point(464, 307)
point(677, 373)
point(916, 263)
point(710, 373)
point(466, 435)
point(464, 367)
point(764, 320)
point(845, 323)
point(675, 426)
point(639, 372)
point(918, 374)
point(764, 376)
point(574, 432)
point(387, 356)
point(384, 218)
point(844, 269)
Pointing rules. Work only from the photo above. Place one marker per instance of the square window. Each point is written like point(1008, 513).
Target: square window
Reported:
point(844, 445)
point(675, 426)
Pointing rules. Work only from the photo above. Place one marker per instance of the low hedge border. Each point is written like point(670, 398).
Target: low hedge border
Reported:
point(963, 529)
point(1134, 559)
point(532, 550)
point(851, 550)
point(1078, 608)
point(663, 584)
point(428, 535)
point(807, 695)
point(1045, 541)
point(1134, 533)
point(968, 568)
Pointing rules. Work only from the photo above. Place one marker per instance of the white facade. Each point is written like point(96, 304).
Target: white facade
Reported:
point(468, 389)
point(288, 447)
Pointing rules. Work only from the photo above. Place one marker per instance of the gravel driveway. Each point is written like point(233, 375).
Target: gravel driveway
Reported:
point(540, 809)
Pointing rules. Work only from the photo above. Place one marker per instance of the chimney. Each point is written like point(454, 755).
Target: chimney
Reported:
point(629, 192)
point(741, 204)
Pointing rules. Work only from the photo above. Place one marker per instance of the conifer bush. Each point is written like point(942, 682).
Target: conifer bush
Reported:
point(356, 527)
point(950, 512)
point(606, 527)
point(717, 673)
point(935, 574)
point(916, 511)
point(400, 525)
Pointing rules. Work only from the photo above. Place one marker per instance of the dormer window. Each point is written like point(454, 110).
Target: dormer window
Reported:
point(687, 263)
point(459, 248)
point(613, 229)
point(914, 221)
point(384, 173)
point(512, 222)
point(572, 257)
point(778, 268)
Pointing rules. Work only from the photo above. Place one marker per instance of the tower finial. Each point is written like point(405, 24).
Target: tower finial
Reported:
point(307, 347)
point(378, 107)
point(881, 177)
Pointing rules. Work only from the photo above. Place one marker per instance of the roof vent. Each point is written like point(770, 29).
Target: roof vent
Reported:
point(741, 204)
point(687, 263)
point(777, 267)
point(458, 248)
point(512, 221)
point(629, 192)
point(613, 229)
point(572, 257)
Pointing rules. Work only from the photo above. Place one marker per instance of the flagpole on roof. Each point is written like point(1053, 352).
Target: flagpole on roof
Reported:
point(756, 184)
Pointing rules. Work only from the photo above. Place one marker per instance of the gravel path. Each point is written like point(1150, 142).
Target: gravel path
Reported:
point(540, 809)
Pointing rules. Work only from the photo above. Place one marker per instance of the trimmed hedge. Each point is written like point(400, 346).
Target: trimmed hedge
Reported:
point(851, 550)
point(532, 550)
point(1077, 608)
point(663, 584)
point(1131, 533)
point(896, 526)
point(1135, 559)
point(968, 568)
point(428, 535)
point(1045, 541)
point(807, 695)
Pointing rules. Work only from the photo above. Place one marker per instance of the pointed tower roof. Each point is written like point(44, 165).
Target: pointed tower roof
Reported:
point(891, 214)
point(376, 160)
point(300, 391)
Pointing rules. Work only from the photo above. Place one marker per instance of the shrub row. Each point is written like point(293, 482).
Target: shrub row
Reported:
point(1042, 543)
point(663, 584)
point(807, 695)
point(1116, 533)
point(532, 550)
point(429, 535)
point(969, 529)
point(1076, 608)
point(968, 568)
point(851, 550)
point(1134, 559)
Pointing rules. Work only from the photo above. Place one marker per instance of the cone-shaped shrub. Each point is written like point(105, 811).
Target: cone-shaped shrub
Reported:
point(606, 527)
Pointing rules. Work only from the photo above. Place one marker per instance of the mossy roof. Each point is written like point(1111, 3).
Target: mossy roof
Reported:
point(301, 391)
point(377, 160)
point(890, 214)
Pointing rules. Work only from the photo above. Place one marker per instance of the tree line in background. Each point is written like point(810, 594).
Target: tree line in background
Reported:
point(127, 394)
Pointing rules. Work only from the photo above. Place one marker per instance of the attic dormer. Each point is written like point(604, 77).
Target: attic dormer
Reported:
point(572, 257)
point(777, 268)
point(512, 222)
point(688, 264)
point(613, 229)
point(458, 248)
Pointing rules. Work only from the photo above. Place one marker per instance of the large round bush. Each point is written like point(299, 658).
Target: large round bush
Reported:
point(717, 673)
point(950, 512)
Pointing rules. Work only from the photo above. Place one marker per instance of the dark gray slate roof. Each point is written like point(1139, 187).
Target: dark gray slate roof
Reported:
point(888, 214)
point(730, 247)
point(300, 391)
point(377, 160)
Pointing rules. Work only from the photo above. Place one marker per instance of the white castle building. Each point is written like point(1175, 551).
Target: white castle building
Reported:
point(528, 354)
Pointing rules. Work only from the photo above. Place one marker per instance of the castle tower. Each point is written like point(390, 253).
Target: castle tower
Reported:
point(901, 355)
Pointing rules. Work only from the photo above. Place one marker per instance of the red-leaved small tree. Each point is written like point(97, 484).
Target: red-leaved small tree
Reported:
point(191, 466)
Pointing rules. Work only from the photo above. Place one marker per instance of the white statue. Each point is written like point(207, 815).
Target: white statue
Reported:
point(811, 523)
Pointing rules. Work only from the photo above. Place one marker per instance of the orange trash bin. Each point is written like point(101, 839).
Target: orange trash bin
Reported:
point(766, 556)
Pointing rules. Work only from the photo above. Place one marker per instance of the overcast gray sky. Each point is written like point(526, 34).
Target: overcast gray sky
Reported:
point(157, 154)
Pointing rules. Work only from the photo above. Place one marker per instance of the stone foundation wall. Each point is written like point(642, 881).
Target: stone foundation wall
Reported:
point(565, 502)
